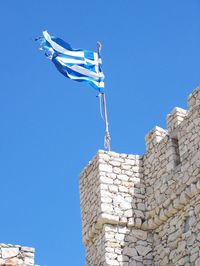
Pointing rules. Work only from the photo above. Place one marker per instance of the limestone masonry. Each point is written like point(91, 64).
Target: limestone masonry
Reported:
point(145, 210)
point(11, 255)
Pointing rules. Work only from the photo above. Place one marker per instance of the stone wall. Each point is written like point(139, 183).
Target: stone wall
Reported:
point(144, 210)
point(177, 241)
point(15, 255)
point(113, 208)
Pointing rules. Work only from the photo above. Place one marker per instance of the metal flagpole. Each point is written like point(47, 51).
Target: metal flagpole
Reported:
point(103, 97)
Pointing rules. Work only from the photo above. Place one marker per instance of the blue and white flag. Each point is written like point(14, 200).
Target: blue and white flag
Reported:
point(76, 64)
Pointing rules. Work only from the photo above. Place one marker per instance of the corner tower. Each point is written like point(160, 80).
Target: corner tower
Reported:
point(145, 210)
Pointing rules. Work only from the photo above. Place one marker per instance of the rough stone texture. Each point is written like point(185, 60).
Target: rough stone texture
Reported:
point(145, 210)
point(15, 255)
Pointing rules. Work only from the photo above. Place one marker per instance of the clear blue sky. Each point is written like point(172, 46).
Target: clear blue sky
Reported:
point(50, 126)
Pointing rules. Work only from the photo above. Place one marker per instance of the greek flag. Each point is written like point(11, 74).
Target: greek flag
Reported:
point(76, 64)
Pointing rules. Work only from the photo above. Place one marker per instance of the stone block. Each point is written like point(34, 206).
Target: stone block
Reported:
point(9, 252)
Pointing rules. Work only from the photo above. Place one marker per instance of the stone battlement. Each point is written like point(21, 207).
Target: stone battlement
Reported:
point(145, 210)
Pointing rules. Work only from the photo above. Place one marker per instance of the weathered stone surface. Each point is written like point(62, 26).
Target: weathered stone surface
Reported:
point(140, 234)
point(130, 251)
point(9, 252)
point(105, 168)
point(13, 262)
point(15, 255)
point(142, 250)
point(197, 262)
point(2, 262)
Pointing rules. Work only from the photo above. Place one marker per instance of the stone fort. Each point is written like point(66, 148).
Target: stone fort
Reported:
point(141, 210)
point(145, 210)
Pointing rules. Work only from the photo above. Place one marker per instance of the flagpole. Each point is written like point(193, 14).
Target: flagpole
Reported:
point(107, 134)
point(103, 97)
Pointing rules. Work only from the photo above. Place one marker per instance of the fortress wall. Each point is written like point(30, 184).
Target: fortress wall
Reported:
point(177, 241)
point(172, 163)
point(112, 193)
point(144, 210)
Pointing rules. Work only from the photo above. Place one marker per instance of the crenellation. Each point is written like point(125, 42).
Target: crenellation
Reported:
point(154, 137)
point(174, 119)
point(194, 99)
point(144, 210)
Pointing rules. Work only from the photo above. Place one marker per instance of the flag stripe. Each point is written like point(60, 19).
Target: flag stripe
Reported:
point(76, 64)
point(65, 72)
point(85, 71)
point(65, 60)
point(61, 49)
